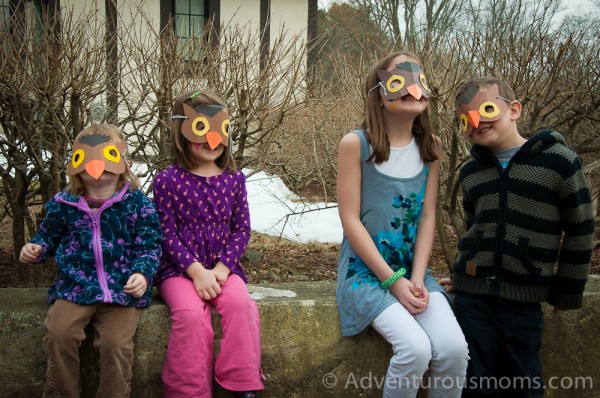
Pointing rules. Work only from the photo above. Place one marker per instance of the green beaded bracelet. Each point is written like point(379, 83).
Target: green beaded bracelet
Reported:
point(393, 279)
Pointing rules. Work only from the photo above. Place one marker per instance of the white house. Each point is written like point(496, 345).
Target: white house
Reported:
point(266, 22)
point(295, 17)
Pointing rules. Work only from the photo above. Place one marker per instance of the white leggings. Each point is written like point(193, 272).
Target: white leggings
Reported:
point(432, 338)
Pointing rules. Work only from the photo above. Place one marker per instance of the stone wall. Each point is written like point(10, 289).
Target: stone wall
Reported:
point(304, 354)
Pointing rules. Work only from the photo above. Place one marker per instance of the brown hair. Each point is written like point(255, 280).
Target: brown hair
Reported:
point(503, 88)
point(76, 183)
point(181, 148)
point(373, 123)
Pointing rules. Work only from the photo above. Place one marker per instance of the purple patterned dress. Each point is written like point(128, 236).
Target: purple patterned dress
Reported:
point(203, 219)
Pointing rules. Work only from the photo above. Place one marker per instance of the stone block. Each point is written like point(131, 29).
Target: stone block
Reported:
point(304, 354)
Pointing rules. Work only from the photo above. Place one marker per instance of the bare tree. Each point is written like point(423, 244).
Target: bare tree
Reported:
point(48, 76)
point(551, 66)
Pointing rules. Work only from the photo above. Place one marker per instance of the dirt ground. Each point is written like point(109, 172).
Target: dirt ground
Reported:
point(268, 259)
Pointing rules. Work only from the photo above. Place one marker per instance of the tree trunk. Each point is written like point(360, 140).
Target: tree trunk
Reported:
point(443, 236)
point(18, 203)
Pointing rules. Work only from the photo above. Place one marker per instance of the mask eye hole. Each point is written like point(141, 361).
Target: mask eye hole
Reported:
point(395, 83)
point(77, 158)
point(489, 109)
point(423, 80)
point(200, 125)
point(225, 127)
point(112, 154)
point(464, 123)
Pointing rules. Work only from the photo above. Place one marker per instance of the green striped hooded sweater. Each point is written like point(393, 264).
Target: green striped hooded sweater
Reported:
point(530, 227)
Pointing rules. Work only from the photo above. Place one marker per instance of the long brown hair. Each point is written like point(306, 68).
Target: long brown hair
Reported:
point(181, 148)
point(373, 124)
point(76, 184)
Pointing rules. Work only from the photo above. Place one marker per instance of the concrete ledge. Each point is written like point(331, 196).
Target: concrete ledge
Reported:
point(303, 349)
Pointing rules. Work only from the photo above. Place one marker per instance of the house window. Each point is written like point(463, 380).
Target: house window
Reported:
point(4, 13)
point(189, 18)
point(25, 16)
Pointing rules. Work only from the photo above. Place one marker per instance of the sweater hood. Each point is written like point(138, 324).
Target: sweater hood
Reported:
point(535, 144)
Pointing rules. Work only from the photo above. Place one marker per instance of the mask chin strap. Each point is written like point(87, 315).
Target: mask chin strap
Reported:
point(231, 137)
point(380, 84)
point(179, 117)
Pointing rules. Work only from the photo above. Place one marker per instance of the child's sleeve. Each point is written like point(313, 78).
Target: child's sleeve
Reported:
point(240, 227)
point(147, 245)
point(577, 217)
point(51, 231)
point(172, 246)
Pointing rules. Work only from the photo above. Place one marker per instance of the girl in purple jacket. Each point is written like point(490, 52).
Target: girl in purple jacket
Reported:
point(105, 236)
point(203, 210)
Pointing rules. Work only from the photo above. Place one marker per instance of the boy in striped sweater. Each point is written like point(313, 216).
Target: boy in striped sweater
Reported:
point(530, 226)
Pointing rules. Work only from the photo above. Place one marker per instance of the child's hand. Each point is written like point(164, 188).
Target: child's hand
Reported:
point(419, 290)
point(404, 292)
point(136, 285)
point(30, 253)
point(221, 273)
point(205, 281)
point(447, 283)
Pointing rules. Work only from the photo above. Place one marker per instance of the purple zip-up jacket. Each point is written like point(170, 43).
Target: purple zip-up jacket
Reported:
point(97, 252)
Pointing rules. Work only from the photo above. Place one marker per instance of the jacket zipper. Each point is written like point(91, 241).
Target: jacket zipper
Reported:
point(503, 197)
point(97, 242)
point(97, 247)
point(495, 280)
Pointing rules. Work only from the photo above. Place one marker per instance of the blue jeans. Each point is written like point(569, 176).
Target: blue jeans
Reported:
point(504, 339)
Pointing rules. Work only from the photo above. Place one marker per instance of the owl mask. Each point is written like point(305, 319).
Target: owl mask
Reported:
point(97, 153)
point(205, 123)
point(405, 78)
point(479, 104)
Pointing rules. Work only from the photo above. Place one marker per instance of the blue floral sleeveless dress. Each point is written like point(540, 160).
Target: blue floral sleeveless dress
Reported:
point(390, 211)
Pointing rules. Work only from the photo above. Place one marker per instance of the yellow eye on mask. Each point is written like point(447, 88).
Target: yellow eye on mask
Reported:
point(225, 127)
point(112, 154)
point(78, 157)
point(395, 83)
point(489, 109)
point(200, 126)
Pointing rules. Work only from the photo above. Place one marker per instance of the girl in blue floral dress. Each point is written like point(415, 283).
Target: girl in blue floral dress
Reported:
point(387, 191)
point(105, 236)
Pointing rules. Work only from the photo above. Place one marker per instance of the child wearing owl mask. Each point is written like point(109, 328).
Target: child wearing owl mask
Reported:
point(104, 234)
point(387, 189)
point(203, 210)
point(529, 239)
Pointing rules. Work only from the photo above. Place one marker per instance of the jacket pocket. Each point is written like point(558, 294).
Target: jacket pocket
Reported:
point(524, 257)
point(468, 249)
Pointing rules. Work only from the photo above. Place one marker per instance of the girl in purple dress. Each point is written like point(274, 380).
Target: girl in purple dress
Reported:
point(203, 211)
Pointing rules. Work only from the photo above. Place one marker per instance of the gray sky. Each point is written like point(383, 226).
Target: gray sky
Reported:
point(575, 6)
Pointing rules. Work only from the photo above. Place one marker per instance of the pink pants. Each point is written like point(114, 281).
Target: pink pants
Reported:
point(188, 369)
